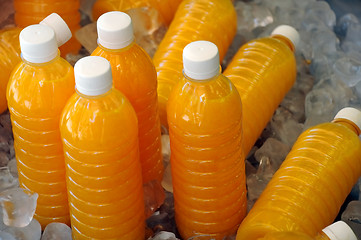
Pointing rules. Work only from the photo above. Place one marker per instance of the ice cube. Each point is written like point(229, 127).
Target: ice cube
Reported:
point(12, 165)
point(153, 196)
point(7, 180)
point(167, 179)
point(163, 235)
point(31, 232)
point(165, 148)
point(57, 231)
point(352, 212)
point(348, 69)
point(274, 150)
point(285, 126)
point(322, 11)
point(6, 236)
point(18, 206)
point(294, 102)
point(344, 23)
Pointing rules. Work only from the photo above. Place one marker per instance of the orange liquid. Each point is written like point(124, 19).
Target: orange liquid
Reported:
point(210, 20)
point(104, 181)
point(36, 96)
point(166, 8)
point(263, 71)
point(207, 160)
point(293, 236)
point(135, 76)
point(306, 193)
point(29, 12)
point(9, 57)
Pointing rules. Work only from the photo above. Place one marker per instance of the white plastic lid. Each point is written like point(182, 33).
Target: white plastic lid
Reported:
point(288, 32)
point(93, 76)
point(339, 231)
point(61, 29)
point(201, 60)
point(115, 30)
point(38, 44)
point(351, 114)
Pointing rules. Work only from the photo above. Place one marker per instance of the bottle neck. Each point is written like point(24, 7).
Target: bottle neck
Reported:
point(41, 64)
point(286, 41)
point(347, 123)
point(94, 96)
point(203, 80)
point(117, 50)
point(321, 236)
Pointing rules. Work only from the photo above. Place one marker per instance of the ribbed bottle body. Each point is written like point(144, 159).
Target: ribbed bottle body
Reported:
point(263, 71)
point(207, 159)
point(29, 12)
point(36, 95)
point(104, 181)
point(135, 76)
point(210, 20)
point(306, 193)
point(166, 8)
point(9, 58)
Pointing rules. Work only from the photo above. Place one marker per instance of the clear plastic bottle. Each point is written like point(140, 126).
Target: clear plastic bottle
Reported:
point(263, 71)
point(207, 161)
point(166, 8)
point(37, 92)
point(336, 231)
point(100, 136)
point(210, 20)
point(135, 76)
point(10, 51)
point(307, 191)
point(29, 12)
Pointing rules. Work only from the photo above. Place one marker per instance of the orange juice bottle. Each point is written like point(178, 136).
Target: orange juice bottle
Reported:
point(210, 20)
point(307, 191)
point(336, 231)
point(37, 92)
point(166, 8)
point(100, 137)
point(207, 161)
point(10, 50)
point(9, 57)
point(263, 71)
point(135, 76)
point(29, 12)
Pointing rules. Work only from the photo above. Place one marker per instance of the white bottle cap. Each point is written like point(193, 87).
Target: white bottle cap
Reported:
point(201, 60)
point(351, 114)
point(115, 30)
point(61, 29)
point(339, 231)
point(288, 32)
point(38, 44)
point(93, 76)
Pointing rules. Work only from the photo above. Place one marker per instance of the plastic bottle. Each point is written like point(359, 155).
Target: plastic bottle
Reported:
point(207, 161)
point(135, 76)
point(37, 92)
point(263, 71)
point(210, 20)
point(166, 8)
point(336, 231)
point(29, 12)
point(9, 57)
point(307, 191)
point(10, 52)
point(100, 136)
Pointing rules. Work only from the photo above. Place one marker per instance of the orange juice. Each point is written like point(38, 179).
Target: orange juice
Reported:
point(9, 57)
point(263, 71)
point(29, 12)
point(207, 161)
point(37, 92)
point(135, 76)
point(336, 231)
point(210, 20)
point(166, 8)
point(307, 191)
point(100, 136)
